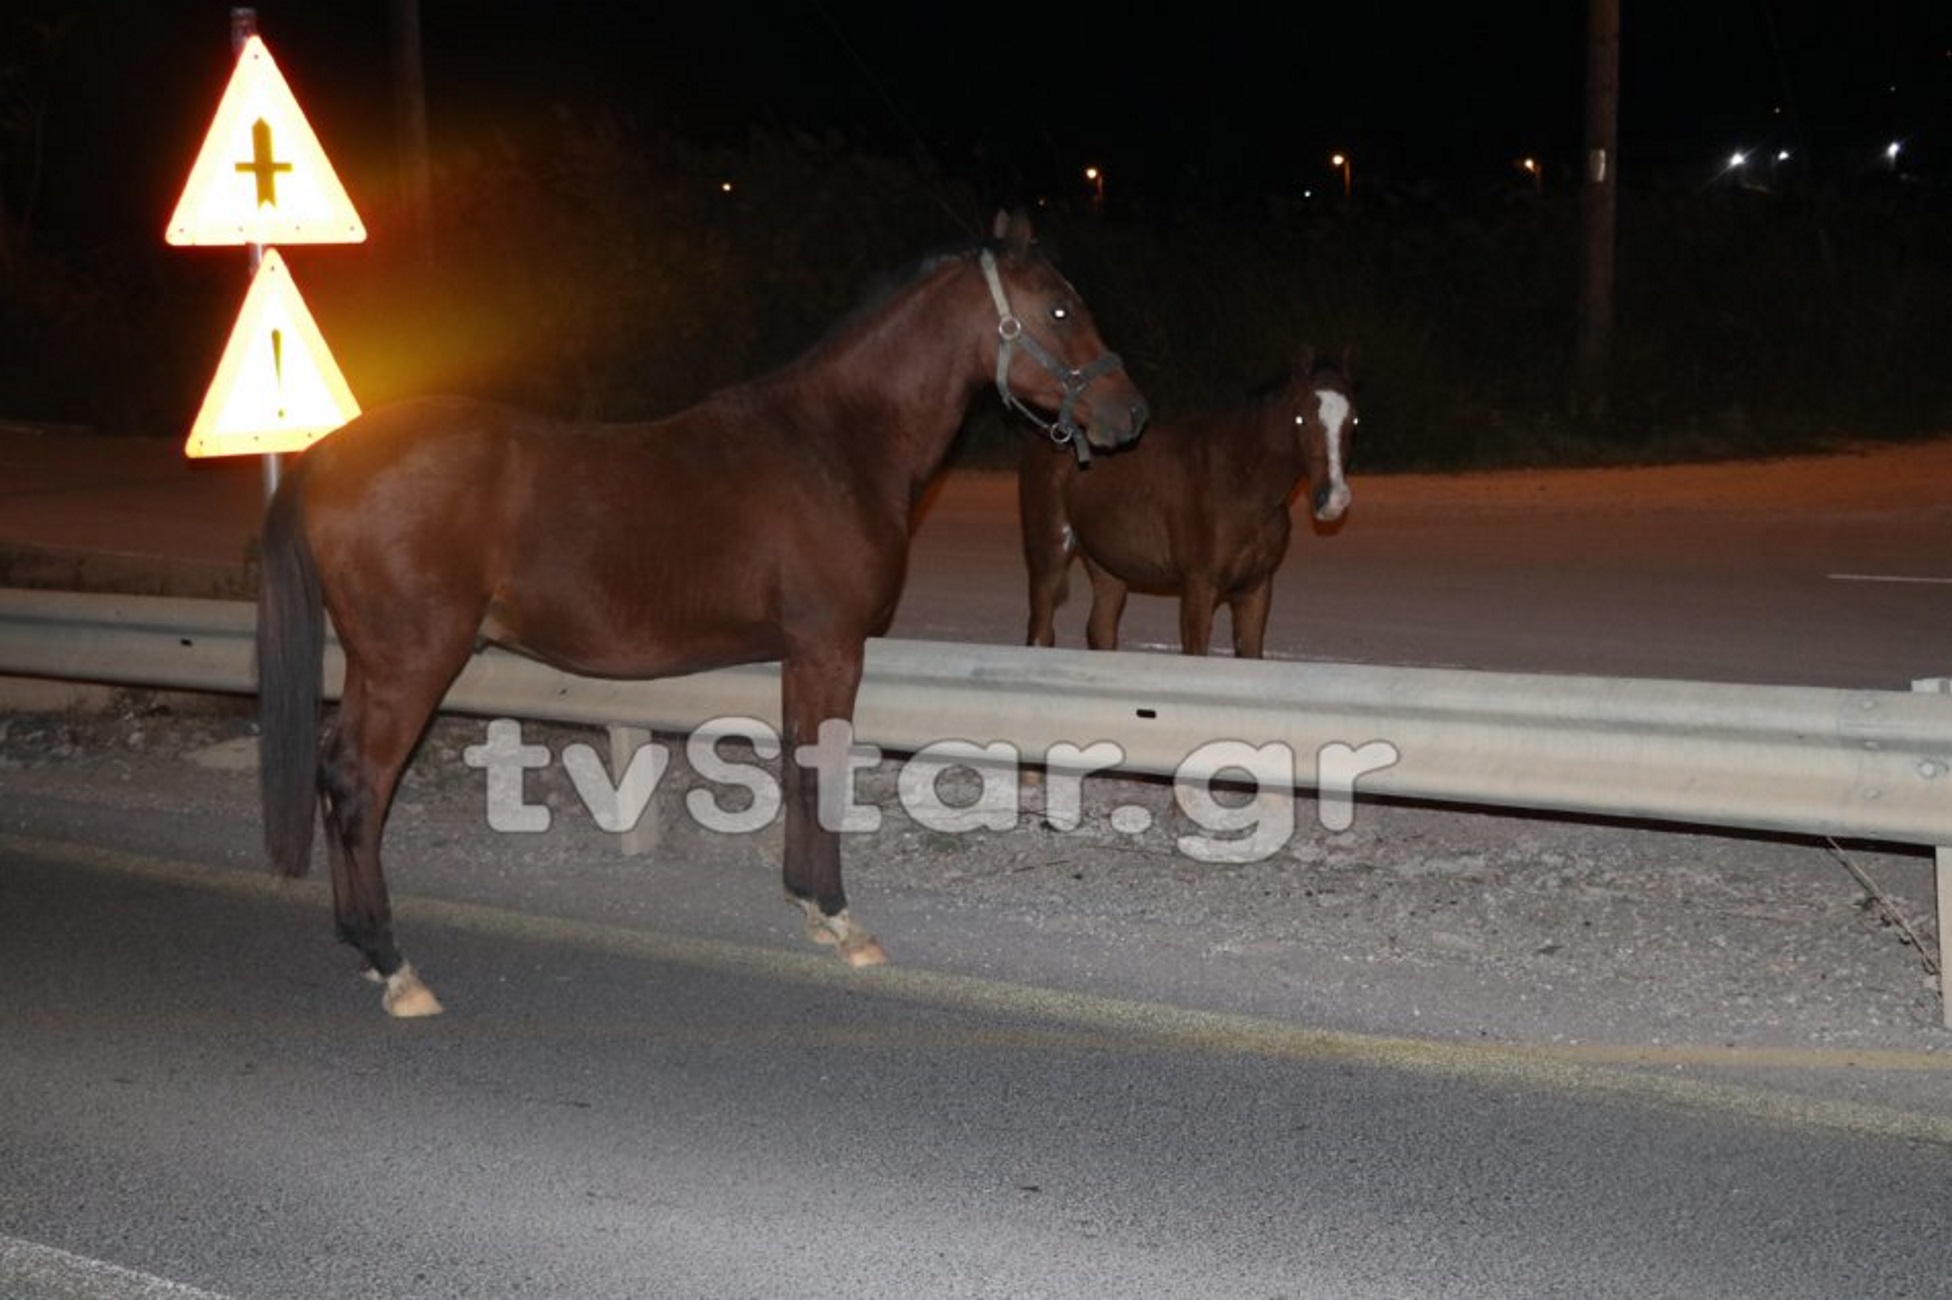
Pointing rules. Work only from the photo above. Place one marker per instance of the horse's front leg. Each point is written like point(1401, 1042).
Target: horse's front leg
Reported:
point(1196, 605)
point(1047, 548)
point(1046, 593)
point(1107, 607)
point(816, 783)
point(1250, 607)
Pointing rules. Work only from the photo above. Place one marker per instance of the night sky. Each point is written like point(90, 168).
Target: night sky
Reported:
point(1208, 100)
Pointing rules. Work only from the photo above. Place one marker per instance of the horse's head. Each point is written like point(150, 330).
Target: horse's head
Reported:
point(1074, 374)
point(1325, 422)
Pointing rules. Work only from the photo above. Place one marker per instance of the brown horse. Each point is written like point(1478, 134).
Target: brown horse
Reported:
point(770, 522)
point(1199, 508)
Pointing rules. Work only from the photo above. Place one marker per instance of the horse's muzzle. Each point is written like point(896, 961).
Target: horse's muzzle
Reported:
point(1117, 418)
point(1330, 500)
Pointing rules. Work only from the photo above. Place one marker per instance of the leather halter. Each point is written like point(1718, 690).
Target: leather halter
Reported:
point(1011, 335)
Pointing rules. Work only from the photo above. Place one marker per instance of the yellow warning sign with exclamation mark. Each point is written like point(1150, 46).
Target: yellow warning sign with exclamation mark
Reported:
point(277, 388)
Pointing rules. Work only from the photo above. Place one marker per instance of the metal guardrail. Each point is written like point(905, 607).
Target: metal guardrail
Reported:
point(1856, 764)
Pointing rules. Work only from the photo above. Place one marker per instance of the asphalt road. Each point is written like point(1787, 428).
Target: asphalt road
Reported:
point(198, 1095)
point(1818, 571)
point(1827, 571)
point(195, 1094)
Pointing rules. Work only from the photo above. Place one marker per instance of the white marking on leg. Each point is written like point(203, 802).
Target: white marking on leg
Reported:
point(406, 997)
point(856, 946)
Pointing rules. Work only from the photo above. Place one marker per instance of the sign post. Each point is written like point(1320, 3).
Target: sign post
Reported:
point(261, 179)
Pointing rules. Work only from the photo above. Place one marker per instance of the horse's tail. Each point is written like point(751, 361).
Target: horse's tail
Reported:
point(291, 668)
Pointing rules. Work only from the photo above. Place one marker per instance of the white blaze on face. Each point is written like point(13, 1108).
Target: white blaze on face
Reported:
point(1335, 417)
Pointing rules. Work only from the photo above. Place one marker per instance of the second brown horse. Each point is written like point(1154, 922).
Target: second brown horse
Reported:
point(1199, 507)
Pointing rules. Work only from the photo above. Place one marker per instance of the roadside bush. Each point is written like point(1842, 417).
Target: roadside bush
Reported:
point(601, 271)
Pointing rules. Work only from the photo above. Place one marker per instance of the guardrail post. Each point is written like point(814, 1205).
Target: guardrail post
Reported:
point(1944, 936)
point(1942, 686)
point(643, 837)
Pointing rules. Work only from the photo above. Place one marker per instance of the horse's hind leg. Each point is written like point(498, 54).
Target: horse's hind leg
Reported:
point(363, 755)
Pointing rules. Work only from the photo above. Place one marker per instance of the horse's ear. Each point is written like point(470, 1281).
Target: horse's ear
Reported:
point(1349, 362)
point(1305, 360)
point(1012, 230)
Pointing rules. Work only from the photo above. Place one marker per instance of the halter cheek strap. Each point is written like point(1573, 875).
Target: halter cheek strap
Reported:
point(1011, 335)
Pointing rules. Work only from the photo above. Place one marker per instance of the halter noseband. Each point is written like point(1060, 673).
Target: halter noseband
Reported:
point(1011, 335)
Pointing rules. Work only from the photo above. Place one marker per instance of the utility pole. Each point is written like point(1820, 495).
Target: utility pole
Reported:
point(410, 111)
point(1598, 203)
point(243, 26)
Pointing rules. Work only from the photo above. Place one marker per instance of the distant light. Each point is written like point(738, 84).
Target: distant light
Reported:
point(1091, 173)
point(725, 187)
point(1892, 150)
point(1336, 160)
point(1782, 155)
point(1737, 158)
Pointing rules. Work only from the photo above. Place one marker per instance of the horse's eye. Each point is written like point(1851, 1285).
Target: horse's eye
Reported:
point(1060, 312)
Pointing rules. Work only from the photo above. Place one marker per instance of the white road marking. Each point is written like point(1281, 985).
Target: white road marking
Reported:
point(1885, 577)
point(29, 1269)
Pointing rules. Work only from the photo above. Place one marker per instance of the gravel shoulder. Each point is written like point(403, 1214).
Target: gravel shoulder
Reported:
point(1772, 960)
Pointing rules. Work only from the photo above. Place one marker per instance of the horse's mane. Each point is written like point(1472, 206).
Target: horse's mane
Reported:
point(889, 283)
point(1276, 386)
point(885, 287)
point(1304, 371)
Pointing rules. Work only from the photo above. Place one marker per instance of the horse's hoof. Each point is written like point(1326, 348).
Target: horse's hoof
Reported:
point(862, 949)
point(856, 946)
point(406, 998)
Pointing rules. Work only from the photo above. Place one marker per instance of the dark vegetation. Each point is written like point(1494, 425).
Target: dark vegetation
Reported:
point(599, 270)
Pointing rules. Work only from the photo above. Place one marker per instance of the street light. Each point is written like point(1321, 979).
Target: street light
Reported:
point(1341, 160)
point(1097, 179)
point(1530, 166)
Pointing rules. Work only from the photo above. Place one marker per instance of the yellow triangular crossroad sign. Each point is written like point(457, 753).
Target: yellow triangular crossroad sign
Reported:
point(261, 177)
point(277, 387)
